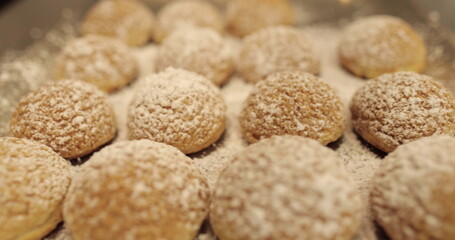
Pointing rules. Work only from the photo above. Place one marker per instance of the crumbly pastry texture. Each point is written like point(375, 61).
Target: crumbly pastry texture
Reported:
point(104, 62)
point(199, 50)
point(128, 21)
point(72, 117)
point(137, 190)
point(33, 183)
point(184, 14)
point(381, 44)
point(294, 103)
point(244, 17)
point(286, 187)
point(274, 49)
point(402, 107)
point(413, 191)
point(177, 107)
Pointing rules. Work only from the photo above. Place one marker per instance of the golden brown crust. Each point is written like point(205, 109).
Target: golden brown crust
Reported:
point(286, 187)
point(128, 21)
point(202, 51)
point(188, 13)
point(137, 190)
point(381, 44)
point(294, 103)
point(247, 16)
point(275, 49)
point(104, 62)
point(179, 108)
point(72, 117)
point(34, 181)
point(401, 107)
point(412, 195)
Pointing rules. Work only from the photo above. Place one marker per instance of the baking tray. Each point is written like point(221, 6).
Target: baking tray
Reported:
point(34, 31)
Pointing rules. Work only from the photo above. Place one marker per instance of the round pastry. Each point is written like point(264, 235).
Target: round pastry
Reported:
point(74, 118)
point(33, 183)
point(294, 103)
point(198, 50)
point(177, 107)
point(276, 49)
point(128, 21)
point(375, 45)
point(247, 16)
point(137, 190)
point(188, 13)
point(397, 108)
point(101, 61)
point(413, 191)
point(286, 187)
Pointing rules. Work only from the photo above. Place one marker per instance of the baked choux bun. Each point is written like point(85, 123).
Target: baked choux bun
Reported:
point(187, 14)
point(104, 62)
point(413, 192)
point(137, 190)
point(276, 49)
point(179, 108)
point(401, 107)
point(286, 187)
point(247, 16)
point(293, 103)
point(128, 21)
point(200, 50)
point(74, 118)
point(33, 183)
point(380, 44)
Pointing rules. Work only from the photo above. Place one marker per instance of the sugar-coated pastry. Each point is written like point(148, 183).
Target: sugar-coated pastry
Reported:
point(294, 103)
point(179, 108)
point(74, 118)
point(398, 108)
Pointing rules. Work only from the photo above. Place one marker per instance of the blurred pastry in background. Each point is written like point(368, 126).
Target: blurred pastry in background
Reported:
point(247, 16)
point(275, 49)
point(200, 50)
point(131, 22)
point(375, 45)
point(186, 14)
point(104, 62)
